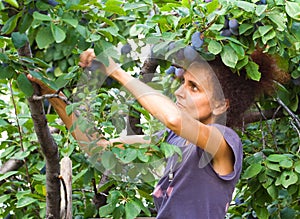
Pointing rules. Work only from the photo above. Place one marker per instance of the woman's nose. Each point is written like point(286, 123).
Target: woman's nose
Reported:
point(180, 92)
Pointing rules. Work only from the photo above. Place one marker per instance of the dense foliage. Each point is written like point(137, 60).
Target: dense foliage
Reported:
point(58, 31)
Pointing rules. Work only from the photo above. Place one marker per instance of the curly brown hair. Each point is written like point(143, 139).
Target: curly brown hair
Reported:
point(241, 91)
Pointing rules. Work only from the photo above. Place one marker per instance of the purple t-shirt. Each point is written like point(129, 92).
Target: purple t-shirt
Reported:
point(195, 190)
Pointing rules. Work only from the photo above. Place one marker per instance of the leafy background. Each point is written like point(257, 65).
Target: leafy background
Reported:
point(58, 31)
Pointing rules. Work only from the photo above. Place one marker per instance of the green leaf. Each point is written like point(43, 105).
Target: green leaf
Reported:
point(167, 149)
point(68, 18)
point(79, 175)
point(276, 157)
point(288, 178)
point(21, 155)
point(13, 3)
point(40, 189)
point(252, 71)
point(130, 155)
point(293, 10)
point(297, 166)
point(10, 25)
point(18, 39)
point(137, 29)
point(287, 163)
point(238, 49)
point(260, 9)
point(4, 198)
point(273, 166)
point(25, 201)
point(279, 20)
point(114, 6)
point(132, 209)
point(264, 29)
point(287, 213)
point(58, 34)
point(214, 47)
point(270, 35)
point(243, 28)
point(107, 209)
point(186, 3)
point(247, 6)
point(8, 174)
point(212, 6)
point(242, 63)
point(142, 207)
point(44, 37)
point(7, 72)
point(272, 191)
point(142, 156)
point(90, 210)
point(108, 160)
point(41, 17)
point(262, 213)
point(25, 85)
point(252, 171)
point(229, 56)
point(26, 22)
point(7, 151)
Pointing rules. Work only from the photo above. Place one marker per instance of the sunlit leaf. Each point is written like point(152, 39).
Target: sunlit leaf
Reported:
point(252, 171)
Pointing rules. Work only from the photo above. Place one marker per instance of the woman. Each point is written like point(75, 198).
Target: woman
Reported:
point(201, 185)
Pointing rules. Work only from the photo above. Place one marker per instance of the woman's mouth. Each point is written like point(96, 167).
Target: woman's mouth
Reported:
point(179, 105)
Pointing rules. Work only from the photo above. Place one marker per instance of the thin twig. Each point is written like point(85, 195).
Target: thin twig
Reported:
point(21, 134)
point(268, 125)
point(49, 96)
point(298, 131)
point(261, 127)
point(289, 111)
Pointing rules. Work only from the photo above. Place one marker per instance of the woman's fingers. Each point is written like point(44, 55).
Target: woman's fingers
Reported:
point(35, 80)
point(86, 58)
point(44, 88)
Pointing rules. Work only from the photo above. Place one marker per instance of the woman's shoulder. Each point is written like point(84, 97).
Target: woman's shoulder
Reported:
point(229, 134)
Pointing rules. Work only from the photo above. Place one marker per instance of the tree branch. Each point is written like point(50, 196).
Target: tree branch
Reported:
point(255, 116)
point(295, 117)
point(48, 145)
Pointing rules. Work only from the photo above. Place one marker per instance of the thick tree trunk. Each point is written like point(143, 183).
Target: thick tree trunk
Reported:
point(49, 148)
point(50, 151)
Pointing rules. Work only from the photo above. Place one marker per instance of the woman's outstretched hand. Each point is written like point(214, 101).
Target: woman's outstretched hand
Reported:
point(44, 88)
point(88, 60)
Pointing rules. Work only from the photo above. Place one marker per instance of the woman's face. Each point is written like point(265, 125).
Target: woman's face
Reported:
point(195, 94)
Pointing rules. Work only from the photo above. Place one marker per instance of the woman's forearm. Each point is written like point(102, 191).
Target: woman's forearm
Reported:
point(160, 106)
point(69, 120)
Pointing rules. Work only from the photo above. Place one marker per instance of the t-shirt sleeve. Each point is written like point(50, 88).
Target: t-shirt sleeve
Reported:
point(234, 142)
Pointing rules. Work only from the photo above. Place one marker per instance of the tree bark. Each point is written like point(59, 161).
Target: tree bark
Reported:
point(66, 191)
point(49, 148)
point(11, 165)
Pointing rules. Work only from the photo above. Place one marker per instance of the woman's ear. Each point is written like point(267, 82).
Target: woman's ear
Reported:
point(220, 107)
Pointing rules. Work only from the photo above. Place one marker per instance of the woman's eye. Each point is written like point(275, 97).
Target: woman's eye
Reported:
point(194, 88)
